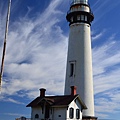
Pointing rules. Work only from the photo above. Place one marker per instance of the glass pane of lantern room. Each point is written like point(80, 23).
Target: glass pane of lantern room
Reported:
point(80, 1)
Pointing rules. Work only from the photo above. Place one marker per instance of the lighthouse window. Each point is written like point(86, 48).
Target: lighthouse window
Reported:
point(72, 68)
point(78, 17)
point(71, 113)
point(85, 18)
point(82, 17)
point(71, 19)
point(71, 9)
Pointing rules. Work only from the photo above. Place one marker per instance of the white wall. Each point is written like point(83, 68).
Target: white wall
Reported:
point(37, 110)
point(59, 114)
point(74, 105)
point(79, 51)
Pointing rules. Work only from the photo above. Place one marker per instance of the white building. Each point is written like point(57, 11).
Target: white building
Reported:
point(65, 107)
point(79, 58)
point(78, 73)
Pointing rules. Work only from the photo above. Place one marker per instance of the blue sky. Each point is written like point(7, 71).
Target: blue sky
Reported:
point(37, 51)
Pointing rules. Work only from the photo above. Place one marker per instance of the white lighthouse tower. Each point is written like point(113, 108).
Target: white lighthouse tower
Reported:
point(79, 60)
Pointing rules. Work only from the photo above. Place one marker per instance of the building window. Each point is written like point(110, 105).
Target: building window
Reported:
point(77, 114)
point(71, 113)
point(42, 109)
point(47, 111)
point(36, 116)
point(51, 110)
point(59, 115)
point(72, 68)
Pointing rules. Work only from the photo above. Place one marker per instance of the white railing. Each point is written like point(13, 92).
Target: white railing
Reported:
point(80, 1)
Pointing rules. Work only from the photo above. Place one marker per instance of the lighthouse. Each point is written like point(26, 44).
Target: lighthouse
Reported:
point(79, 58)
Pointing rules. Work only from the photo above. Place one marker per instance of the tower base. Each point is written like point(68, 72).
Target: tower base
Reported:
point(89, 118)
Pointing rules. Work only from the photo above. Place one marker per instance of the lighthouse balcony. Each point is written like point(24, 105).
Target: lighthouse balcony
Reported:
point(71, 12)
point(80, 17)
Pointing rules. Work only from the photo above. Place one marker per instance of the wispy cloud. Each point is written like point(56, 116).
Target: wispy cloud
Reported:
point(15, 114)
point(107, 6)
point(36, 53)
point(107, 55)
point(36, 57)
point(106, 77)
point(106, 73)
point(107, 103)
point(97, 36)
point(13, 101)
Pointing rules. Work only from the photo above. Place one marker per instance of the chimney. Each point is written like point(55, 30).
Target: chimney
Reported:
point(42, 92)
point(73, 90)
